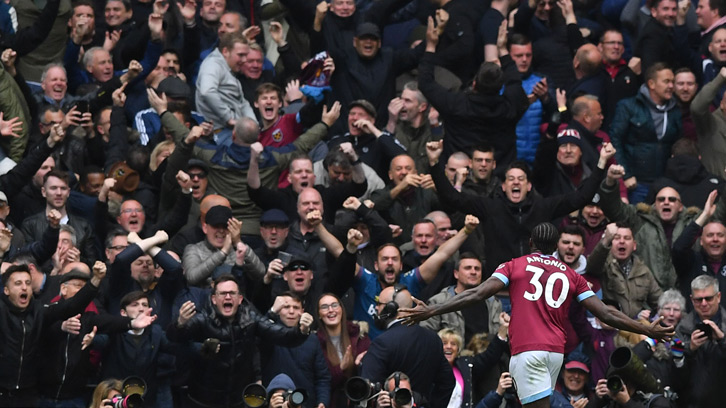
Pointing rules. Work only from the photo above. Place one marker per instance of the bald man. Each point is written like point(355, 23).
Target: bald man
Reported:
point(586, 64)
point(394, 351)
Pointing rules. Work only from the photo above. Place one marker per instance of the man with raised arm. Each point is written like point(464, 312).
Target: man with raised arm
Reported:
point(541, 289)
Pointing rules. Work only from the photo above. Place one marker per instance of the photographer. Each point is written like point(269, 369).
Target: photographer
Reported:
point(702, 333)
point(392, 396)
point(628, 396)
point(280, 390)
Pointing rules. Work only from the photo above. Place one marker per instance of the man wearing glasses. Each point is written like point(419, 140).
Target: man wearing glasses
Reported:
point(624, 76)
point(702, 333)
point(225, 363)
point(655, 227)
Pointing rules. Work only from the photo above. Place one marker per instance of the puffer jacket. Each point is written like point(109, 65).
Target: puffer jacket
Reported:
point(528, 127)
point(653, 246)
point(633, 134)
point(219, 380)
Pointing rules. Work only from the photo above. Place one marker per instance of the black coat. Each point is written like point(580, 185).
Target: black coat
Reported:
point(402, 348)
point(219, 380)
point(21, 334)
point(687, 175)
point(471, 118)
point(510, 224)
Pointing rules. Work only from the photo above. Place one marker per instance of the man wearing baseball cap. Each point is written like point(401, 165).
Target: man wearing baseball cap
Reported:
point(574, 382)
point(369, 73)
point(220, 251)
point(374, 147)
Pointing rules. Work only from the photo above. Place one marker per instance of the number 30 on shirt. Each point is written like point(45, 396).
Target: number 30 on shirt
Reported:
point(548, 288)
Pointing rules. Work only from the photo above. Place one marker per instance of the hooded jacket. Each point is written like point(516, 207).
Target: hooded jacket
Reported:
point(687, 175)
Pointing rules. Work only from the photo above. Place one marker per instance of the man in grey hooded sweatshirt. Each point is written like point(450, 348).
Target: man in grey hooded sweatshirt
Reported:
point(644, 129)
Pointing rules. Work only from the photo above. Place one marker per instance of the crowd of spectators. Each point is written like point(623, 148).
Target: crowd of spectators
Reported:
point(206, 194)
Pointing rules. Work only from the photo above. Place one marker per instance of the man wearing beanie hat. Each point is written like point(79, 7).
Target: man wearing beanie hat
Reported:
point(559, 167)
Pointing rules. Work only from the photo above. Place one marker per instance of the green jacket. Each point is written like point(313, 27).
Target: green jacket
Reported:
point(228, 167)
point(653, 247)
point(13, 104)
point(635, 292)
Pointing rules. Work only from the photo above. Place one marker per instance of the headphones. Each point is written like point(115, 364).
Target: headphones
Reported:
point(390, 310)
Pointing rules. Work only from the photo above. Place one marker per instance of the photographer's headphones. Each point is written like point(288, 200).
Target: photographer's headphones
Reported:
point(390, 310)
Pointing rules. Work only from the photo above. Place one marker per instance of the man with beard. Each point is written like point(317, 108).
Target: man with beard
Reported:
point(414, 123)
point(133, 269)
point(685, 87)
point(472, 320)
point(624, 277)
point(388, 272)
point(570, 249)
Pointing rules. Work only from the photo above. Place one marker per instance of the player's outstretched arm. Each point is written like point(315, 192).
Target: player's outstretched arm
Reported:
point(422, 311)
point(620, 320)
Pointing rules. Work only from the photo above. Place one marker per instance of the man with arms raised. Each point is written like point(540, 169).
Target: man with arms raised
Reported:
point(539, 313)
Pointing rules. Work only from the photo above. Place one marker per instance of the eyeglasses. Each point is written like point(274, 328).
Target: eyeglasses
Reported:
point(197, 175)
point(133, 211)
point(708, 299)
point(613, 43)
point(118, 247)
point(51, 123)
point(377, 299)
point(670, 199)
point(302, 267)
point(333, 306)
point(231, 293)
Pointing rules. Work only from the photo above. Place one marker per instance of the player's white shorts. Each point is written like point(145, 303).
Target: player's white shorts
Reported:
point(535, 374)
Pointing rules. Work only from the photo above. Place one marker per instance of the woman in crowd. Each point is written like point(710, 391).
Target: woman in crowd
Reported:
point(344, 343)
point(465, 368)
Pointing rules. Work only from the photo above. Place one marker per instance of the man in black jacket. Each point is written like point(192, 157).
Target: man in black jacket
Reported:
point(509, 216)
point(396, 350)
point(228, 360)
point(23, 321)
point(482, 114)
